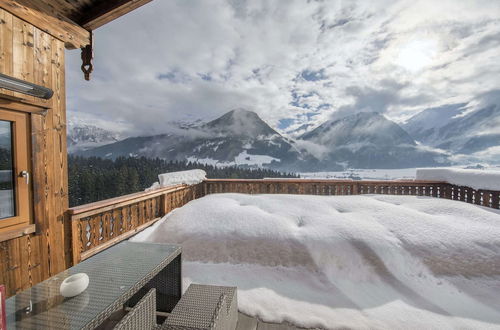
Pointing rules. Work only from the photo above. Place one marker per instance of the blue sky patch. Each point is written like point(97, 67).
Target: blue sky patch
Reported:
point(311, 75)
point(284, 123)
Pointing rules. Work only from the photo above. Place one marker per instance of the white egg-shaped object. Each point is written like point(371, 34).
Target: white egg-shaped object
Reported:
point(74, 285)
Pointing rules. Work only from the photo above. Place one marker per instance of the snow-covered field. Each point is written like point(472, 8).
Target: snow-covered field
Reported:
point(379, 174)
point(362, 262)
point(243, 158)
point(363, 174)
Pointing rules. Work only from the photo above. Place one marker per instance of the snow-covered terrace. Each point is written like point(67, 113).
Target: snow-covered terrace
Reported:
point(373, 261)
point(405, 254)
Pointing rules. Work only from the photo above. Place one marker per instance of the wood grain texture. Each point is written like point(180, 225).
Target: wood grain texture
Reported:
point(70, 21)
point(17, 231)
point(33, 36)
point(104, 12)
point(6, 46)
point(29, 53)
point(44, 16)
point(98, 226)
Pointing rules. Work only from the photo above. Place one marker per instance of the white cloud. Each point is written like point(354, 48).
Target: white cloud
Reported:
point(295, 59)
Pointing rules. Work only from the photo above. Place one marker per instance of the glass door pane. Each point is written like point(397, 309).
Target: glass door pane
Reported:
point(7, 195)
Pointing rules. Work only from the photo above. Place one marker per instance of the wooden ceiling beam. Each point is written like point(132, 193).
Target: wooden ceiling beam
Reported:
point(106, 11)
point(46, 18)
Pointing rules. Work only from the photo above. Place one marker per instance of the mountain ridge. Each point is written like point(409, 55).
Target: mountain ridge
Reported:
point(241, 137)
point(461, 131)
point(369, 140)
point(87, 136)
point(238, 137)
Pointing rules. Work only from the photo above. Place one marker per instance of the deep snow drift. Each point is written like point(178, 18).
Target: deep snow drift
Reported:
point(371, 261)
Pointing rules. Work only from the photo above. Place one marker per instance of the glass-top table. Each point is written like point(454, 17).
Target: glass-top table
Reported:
point(120, 274)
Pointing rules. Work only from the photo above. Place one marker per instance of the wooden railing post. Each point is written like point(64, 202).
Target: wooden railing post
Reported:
point(495, 199)
point(76, 248)
point(163, 205)
point(355, 188)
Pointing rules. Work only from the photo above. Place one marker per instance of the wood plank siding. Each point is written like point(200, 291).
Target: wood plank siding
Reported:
point(28, 53)
point(47, 18)
point(70, 21)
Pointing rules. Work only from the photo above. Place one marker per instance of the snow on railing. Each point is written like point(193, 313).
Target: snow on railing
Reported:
point(180, 177)
point(476, 179)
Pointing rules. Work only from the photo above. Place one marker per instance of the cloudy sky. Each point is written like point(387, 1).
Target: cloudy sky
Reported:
point(294, 62)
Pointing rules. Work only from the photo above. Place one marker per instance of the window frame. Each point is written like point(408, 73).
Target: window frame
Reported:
point(21, 153)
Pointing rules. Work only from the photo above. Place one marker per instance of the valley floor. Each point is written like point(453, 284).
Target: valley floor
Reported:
point(376, 174)
point(360, 262)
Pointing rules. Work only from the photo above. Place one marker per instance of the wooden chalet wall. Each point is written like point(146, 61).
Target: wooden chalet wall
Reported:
point(28, 53)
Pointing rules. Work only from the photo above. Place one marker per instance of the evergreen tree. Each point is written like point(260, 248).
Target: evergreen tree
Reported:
point(93, 179)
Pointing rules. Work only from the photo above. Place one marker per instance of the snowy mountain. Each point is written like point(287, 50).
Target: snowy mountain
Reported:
point(85, 136)
point(457, 129)
point(367, 140)
point(298, 131)
point(185, 124)
point(425, 124)
point(239, 137)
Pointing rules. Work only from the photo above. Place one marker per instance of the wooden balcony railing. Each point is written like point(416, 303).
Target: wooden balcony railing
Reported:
point(96, 226)
point(488, 198)
point(325, 187)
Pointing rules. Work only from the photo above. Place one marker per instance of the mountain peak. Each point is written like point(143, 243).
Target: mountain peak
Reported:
point(240, 122)
point(86, 136)
point(363, 115)
point(368, 140)
point(361, 127)
point(241, 112)
point(459, 128)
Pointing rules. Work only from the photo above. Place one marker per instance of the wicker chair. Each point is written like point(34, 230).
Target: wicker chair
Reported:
point(142, 315)
point(201, 307)
point(205, 307)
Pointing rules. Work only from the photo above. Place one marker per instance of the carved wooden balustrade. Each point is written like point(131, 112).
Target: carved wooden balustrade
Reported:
point(99, 225)
point(324, 187)
point(436, 189)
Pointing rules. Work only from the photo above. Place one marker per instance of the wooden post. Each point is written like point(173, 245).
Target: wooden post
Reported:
point(495, 197)
point(75, 240)
point(477, 197)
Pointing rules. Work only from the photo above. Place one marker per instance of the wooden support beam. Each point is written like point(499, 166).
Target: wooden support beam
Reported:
point(106, 11)
point(47, 19)
point(17, 231)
